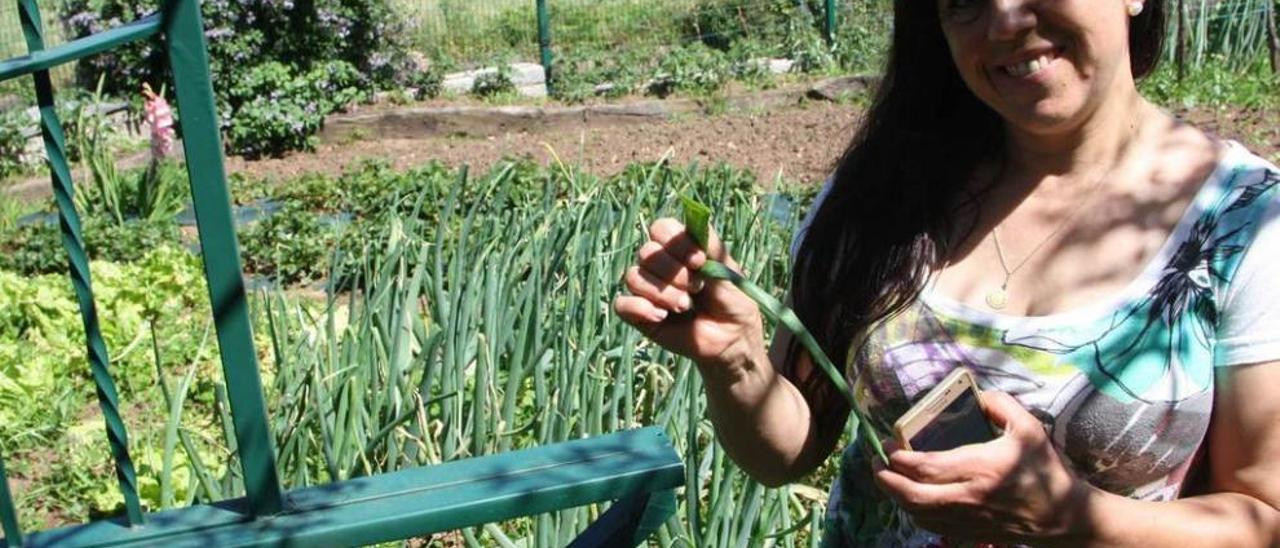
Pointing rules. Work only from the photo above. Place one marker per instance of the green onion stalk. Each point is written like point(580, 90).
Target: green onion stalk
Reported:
point(697, 220)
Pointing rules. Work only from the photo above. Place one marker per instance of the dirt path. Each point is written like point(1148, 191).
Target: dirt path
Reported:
point(800, 142)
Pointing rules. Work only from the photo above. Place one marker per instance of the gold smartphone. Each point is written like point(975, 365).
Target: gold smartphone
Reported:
point(949, 416)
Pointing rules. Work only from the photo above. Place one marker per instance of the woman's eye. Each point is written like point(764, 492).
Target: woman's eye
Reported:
point(961, 11)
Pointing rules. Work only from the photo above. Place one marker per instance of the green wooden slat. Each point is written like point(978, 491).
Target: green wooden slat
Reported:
point(78, 49)
point(8, 515)
point(202, 146)
point(417, 501)
point(72, 240)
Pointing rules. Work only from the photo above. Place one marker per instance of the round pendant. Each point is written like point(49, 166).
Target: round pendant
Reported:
point(997, 298)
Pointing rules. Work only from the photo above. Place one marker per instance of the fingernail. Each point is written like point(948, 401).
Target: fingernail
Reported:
point(660, 314)
point(685, 302)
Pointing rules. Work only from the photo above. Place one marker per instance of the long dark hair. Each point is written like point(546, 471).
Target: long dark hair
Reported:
point(891, 212)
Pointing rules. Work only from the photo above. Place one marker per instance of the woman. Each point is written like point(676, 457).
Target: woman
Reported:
point(1011, 204)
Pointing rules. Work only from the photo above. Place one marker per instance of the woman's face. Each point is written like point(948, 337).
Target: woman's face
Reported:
point(1043, 65)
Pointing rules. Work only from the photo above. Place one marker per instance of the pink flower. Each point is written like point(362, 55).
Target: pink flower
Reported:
point(159, 117)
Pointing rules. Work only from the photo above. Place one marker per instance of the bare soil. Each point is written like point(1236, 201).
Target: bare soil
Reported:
point(799, 142)
point(792, 137)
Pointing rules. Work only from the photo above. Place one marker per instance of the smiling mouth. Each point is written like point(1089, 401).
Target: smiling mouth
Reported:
point(1030, 66)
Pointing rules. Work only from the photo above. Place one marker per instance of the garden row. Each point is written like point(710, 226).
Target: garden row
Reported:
point(465, 316)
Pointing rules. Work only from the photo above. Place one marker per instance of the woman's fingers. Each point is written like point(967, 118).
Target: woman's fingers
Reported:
point(680, 245)
point(639, 312)
point(654, 258)
point(914, 496)
point(642, 283)
point(956, 465)
point(671, 235)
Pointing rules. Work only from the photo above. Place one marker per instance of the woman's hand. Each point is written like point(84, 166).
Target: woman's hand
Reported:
point(1014, 488)
point(709, 321)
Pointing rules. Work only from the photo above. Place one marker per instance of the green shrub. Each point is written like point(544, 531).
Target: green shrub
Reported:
point(274, 108)
point(693, 68)
point(427, 83)
point(579, 71)
point(242, 34)
point(320, 44)
point(496, 82)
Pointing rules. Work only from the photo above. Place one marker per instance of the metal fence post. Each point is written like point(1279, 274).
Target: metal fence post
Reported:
point(544, 42)
point(202, 147)
point(1273, 38)
point(8, 514)
point(830, 27)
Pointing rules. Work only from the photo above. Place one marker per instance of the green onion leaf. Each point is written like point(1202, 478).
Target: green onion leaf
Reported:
point(697, 220)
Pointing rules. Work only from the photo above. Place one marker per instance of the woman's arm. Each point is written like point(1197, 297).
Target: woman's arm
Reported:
point(1244, 460)
point(761, 419)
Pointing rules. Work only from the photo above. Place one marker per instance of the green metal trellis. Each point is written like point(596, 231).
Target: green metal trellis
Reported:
point(639, 469)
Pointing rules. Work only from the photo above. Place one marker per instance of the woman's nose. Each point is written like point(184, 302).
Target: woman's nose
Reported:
point(1010, 18)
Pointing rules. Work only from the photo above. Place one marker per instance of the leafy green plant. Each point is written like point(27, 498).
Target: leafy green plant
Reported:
point(808, 51)
point(13, 143)
point(749, 62)
point(334, 52)
point(579, 71)
point(291, 246)
point(719, 23)
point(36, 249)
point(427, 83)
point(495, 82)
point(274, 108)
point(45, 386)
point(693, 68)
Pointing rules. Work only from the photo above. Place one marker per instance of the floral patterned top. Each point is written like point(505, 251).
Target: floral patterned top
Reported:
point(1125, 388)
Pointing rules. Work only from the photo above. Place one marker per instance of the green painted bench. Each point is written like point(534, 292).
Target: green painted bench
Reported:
point(637, 470)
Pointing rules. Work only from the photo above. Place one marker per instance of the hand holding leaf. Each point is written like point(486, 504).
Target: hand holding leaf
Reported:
point(697, 220)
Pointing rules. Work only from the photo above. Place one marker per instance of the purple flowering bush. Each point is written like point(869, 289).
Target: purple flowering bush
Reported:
point(275, 108)
point(278, 66)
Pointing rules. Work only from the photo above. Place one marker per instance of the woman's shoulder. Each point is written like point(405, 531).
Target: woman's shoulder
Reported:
point(1238, 156)
point(1250, 182)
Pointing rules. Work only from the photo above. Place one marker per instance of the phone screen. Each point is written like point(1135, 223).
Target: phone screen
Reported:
point(961, 423)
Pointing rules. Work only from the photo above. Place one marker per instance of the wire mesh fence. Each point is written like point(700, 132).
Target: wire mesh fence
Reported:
point(635, 33)
point(474, 30)
point(13, 44)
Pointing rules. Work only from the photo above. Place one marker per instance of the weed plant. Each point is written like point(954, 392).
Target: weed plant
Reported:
point(1215, 84)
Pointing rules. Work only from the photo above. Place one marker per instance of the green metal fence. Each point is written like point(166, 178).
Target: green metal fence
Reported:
point(637, 469)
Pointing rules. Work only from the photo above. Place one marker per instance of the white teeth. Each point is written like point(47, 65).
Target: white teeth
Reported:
point(1029, 67)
